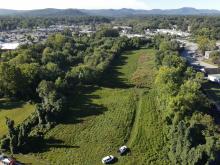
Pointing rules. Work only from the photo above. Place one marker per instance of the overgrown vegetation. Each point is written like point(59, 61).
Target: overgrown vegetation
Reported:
point(91, 96)
point(194, 138)
point(49, 73)
point(100, 118)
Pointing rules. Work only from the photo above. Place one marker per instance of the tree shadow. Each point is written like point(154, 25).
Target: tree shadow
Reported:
point(215, 100)
point(38, 144)
point(7, 104)
point(81, 106)
point(112, 78)
point(212, 89)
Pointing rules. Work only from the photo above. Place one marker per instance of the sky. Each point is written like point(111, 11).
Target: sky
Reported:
point(107, 4)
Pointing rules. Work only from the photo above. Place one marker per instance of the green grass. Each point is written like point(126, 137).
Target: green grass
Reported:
point(102, 118)
point(18, 111)
point(148, 142)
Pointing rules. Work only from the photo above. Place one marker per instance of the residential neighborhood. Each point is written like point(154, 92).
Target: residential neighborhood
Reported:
point(10, 40)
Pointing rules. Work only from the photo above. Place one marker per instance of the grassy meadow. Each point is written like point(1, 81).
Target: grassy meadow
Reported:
point(16, 110)
point(101, 118)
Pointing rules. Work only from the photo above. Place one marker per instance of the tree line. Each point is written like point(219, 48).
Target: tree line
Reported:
point(191, 131)
point(15, 22)
point(194, 24)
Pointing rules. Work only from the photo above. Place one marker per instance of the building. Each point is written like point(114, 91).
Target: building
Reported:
point(212, 71)
point(207, 54)
point(9, 46)
point(123, 29)
point(173, 32)
point(214, 78)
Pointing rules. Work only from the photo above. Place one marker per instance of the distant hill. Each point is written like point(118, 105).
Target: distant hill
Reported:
point(43, 12)
point(184, 11)
point(132, 12)
point(108, 12)
point(8, 11)
point(114, 12)
point(53, 12)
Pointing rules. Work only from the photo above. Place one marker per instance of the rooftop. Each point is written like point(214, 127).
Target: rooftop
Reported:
point(9, 46)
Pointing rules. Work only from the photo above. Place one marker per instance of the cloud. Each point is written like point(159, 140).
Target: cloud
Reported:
point(83, 4)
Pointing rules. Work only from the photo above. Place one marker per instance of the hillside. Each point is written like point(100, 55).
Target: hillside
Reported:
point(43, 12)
point(8, 12)
point(53, 12)
point(133, 12)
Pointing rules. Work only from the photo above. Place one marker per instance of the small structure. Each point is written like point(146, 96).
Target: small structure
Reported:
point(214, 78)
point(207, 54)
point(212, 71)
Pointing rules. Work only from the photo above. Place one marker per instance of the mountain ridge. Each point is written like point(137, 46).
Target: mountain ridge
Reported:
point(108, 12)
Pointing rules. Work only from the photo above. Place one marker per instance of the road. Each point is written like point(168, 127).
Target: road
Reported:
point(190, 53)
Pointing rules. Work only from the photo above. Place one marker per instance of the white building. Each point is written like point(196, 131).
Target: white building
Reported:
point(133, 35)
point(207, 54)
point(123, 27)
point(9, 46)
point(214, 78)
point(173, 32)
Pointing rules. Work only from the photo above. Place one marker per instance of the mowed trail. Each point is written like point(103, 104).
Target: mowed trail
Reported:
point(147, 140)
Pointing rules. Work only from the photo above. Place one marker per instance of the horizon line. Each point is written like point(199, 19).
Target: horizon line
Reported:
point(108, 8)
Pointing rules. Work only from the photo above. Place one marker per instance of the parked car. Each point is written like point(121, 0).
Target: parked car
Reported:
point(122, 150)
point(7, 161)
point(108, 159)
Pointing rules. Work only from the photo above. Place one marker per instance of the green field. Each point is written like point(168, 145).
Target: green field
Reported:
point(15, 110)
point(102, 118)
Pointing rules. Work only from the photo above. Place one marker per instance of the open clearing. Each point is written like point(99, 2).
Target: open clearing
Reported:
point(102, 118)
point(18, 111)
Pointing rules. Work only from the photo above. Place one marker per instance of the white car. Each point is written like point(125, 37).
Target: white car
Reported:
point(123, 149)
point(107, 159)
